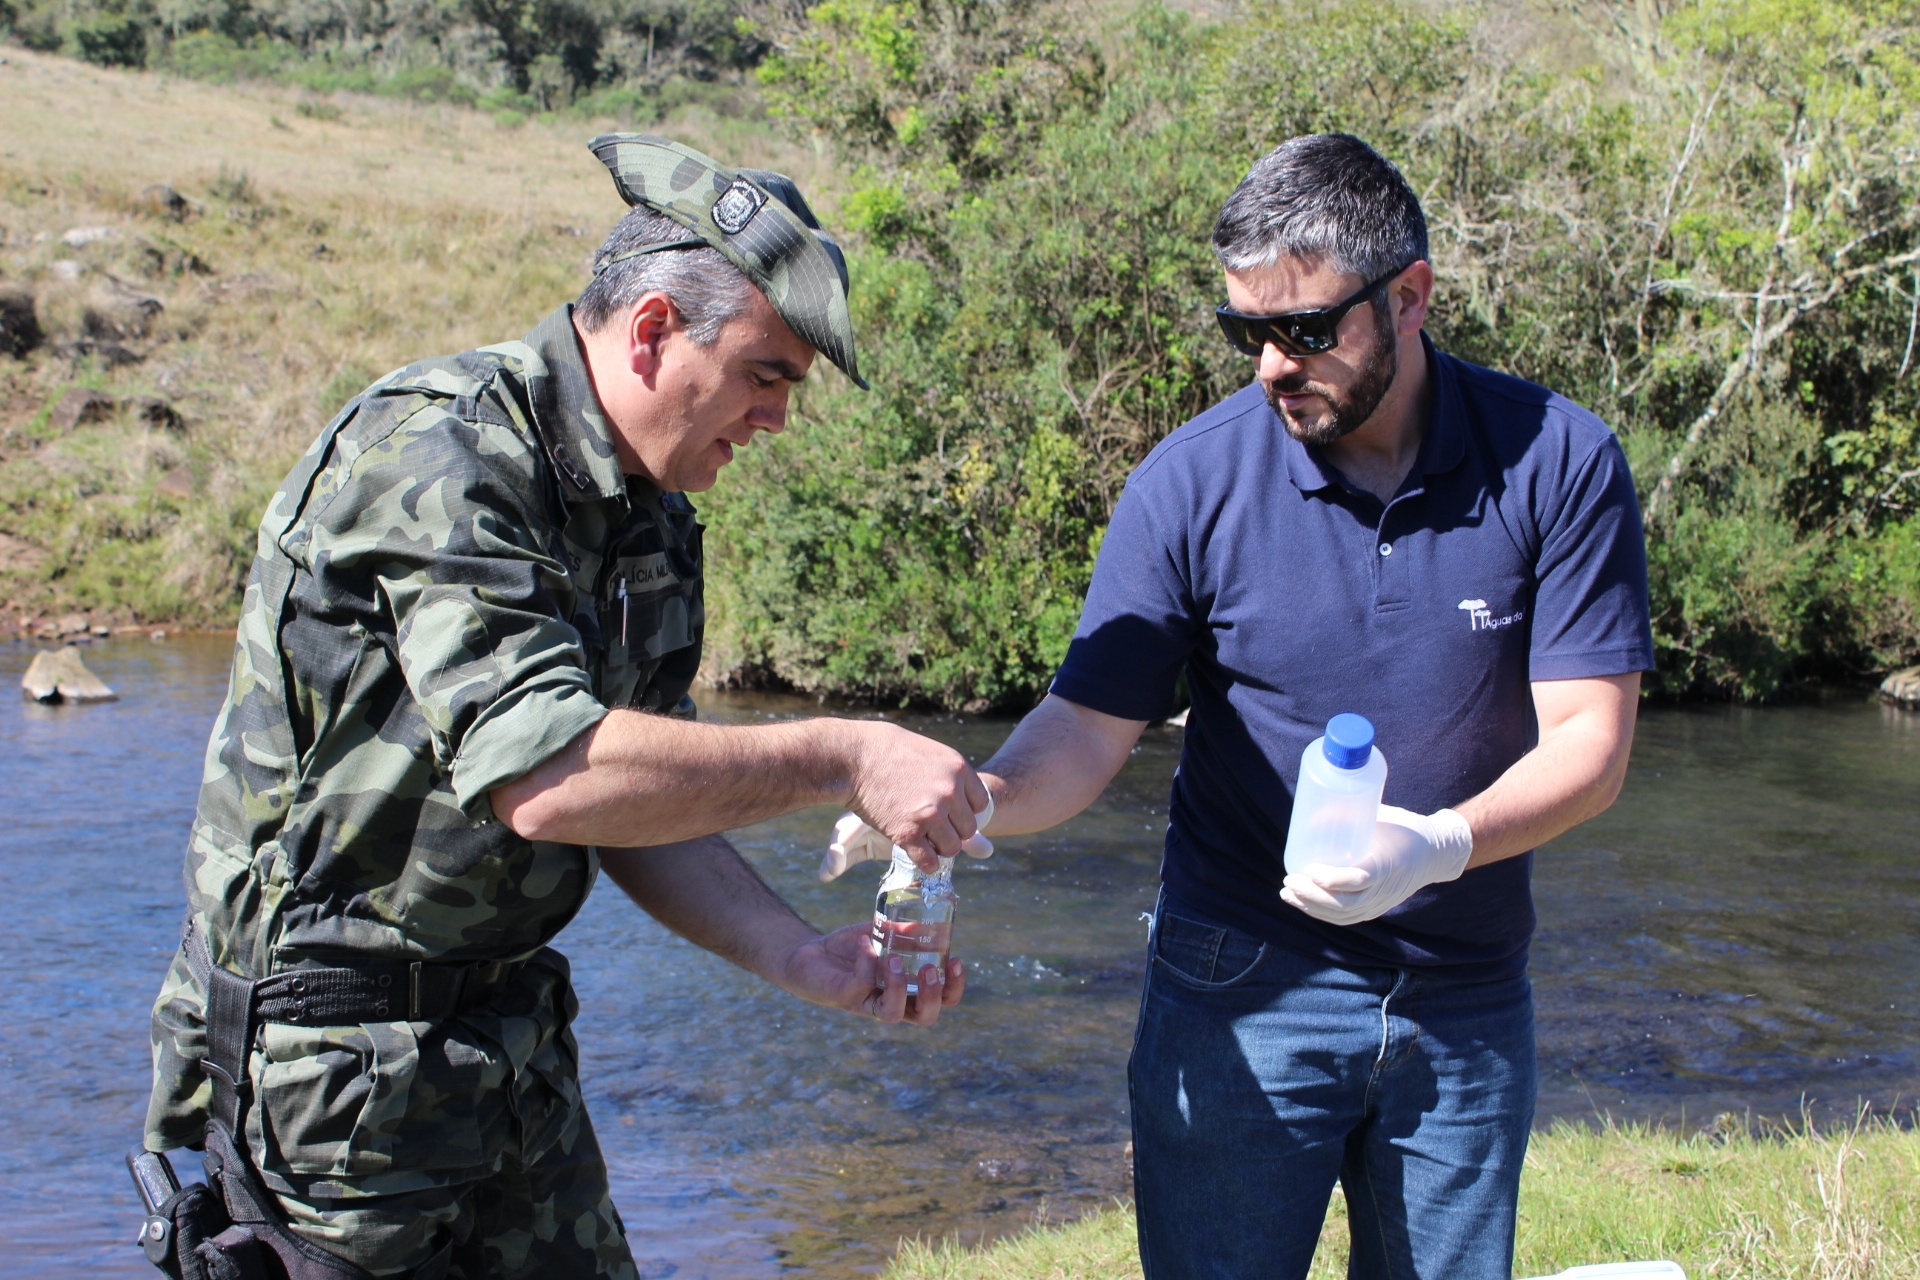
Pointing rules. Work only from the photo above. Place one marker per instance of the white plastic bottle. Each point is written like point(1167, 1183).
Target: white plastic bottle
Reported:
point(1337, 801)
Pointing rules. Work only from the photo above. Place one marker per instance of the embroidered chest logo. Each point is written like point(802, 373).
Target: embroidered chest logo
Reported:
point(643, 573)
point(1480, 617)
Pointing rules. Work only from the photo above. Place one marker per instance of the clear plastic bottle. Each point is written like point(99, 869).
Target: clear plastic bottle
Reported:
point(913, 916)
point(1337, 802)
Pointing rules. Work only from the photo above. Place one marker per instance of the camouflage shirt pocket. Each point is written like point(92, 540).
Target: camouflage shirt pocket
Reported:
point(395, 1102)
point(651, 618)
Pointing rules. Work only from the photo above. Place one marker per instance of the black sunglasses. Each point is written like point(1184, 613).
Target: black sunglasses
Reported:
point(1297, 333)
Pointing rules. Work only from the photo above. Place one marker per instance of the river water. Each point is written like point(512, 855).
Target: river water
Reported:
point(1736, 934)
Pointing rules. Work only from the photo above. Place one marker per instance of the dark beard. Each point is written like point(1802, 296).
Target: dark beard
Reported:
point(1346, 411)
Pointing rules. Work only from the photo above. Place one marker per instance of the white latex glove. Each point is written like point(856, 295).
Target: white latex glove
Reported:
point(1410, 851)
point(854, 841)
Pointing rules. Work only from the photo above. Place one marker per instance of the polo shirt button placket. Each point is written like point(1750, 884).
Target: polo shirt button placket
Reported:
point(1392, 590)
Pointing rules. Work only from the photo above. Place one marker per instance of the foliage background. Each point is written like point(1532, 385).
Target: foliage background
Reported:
point(1695, 216)
point(639, 58)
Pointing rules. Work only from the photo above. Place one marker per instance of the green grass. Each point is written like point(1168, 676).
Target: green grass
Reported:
point(1726, 1204)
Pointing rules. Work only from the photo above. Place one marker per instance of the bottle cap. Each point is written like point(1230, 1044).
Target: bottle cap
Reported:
point(1349, 741)
point(904, 866)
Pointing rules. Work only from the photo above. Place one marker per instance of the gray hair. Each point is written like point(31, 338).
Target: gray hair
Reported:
point(1323, 197)
point(706, 289)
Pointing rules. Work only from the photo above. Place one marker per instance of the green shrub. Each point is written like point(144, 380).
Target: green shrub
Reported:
point(504, 98)
point(1035, 198)
point(1878, 581)
point(668, 53)
point(217, 57)
point(429, 84)
point(38, 29)
point(110, 40)
point(617, 102)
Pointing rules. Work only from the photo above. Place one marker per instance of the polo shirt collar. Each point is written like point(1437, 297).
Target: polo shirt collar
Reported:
point(1304, 468)
point(1441, 448)
point(1445, 443)
point(568, 415)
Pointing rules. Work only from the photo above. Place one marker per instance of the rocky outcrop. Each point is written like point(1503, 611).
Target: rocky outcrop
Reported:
point(82, 406)
point(178, 484)
point(20, 330)
point(162, 201)
point(81, 237)
point(117, 310)
point(1902, 688)
point(79, 407)
point(154, 411)
point(60, 676)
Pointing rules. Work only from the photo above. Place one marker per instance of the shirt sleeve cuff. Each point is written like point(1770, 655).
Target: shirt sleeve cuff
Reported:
point(515, 736)
point(1096, 695)
point(1590, 664)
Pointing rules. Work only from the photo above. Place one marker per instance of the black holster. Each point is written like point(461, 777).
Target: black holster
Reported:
point(230, 1227)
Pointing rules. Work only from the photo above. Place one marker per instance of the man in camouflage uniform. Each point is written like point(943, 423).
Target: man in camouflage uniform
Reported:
point(460, 689)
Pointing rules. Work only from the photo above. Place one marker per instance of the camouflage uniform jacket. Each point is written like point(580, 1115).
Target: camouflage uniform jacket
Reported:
point(454, 582)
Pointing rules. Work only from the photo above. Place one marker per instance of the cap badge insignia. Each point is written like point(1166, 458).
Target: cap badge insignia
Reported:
point(736, 206)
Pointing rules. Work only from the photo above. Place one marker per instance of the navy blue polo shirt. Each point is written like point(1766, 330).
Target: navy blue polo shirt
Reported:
point(1511, 553)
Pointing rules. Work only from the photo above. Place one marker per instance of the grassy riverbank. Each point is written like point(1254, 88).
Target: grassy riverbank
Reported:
point(310, 243)
point(1724, 1204)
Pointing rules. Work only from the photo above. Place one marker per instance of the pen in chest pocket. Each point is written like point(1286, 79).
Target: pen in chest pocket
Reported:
point(623, 613)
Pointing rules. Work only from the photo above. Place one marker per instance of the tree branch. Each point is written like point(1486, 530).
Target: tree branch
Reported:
point(1696, 129)
point(1913, 322)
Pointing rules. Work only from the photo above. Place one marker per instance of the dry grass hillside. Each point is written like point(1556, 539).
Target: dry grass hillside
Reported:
point(193, 277)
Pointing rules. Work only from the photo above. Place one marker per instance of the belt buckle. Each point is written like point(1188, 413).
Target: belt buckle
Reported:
point(423, 984)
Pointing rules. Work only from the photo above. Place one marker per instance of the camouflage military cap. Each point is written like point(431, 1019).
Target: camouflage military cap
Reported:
point(759, 220)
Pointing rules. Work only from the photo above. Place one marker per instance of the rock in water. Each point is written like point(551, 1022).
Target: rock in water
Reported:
point(1903, 687)
point(60, 676)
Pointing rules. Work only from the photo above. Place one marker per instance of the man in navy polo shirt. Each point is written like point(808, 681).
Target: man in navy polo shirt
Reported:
point(1375, 527)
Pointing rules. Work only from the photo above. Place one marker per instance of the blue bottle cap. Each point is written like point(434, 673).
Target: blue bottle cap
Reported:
point(1349, 741)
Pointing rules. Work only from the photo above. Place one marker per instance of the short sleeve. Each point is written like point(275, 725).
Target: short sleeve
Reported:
point(1590, 604)
point(1139, 624)
point(452, 532)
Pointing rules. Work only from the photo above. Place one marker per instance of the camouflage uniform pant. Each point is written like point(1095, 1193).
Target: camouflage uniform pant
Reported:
point(551, 1218)
point(383, 1140)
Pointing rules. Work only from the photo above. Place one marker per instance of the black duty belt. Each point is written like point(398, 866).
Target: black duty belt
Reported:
point(324, 996)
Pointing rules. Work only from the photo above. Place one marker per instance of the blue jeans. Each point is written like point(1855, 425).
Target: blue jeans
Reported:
point(1258, 1077)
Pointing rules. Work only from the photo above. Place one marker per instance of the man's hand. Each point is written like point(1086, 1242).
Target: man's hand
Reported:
point(854, 841)
point(1410, 851)
point(704, 891)
point(840, 969)
point(917, 793)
